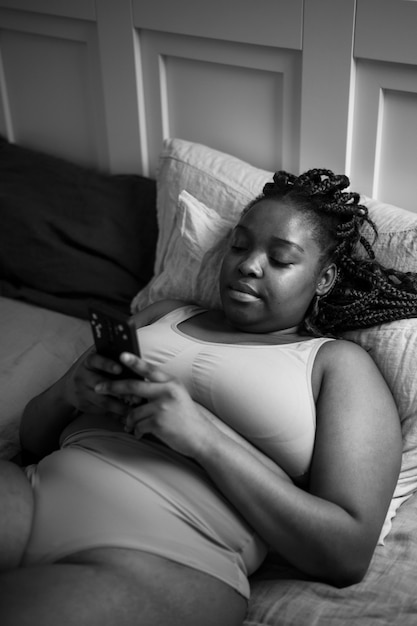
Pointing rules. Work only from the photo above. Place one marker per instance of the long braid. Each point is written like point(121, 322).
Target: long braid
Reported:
point(365, 292)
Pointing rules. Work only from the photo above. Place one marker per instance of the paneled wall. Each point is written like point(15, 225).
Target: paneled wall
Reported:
point(281, 83)
point(50, 77)
point(384, 132)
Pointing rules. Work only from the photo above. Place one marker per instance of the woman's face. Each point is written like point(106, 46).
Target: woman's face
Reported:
point(271, 271)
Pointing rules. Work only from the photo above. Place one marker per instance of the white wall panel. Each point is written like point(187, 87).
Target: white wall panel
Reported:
point(327, 84)
point(226, 106)
point(386, 30)
point(119, 63)
point(384, 152)
point(238, 98)
point(281, 83)
point(263, 22)
point(51, 86)
point(384, 129)
point(80, 9)
point(396, 159)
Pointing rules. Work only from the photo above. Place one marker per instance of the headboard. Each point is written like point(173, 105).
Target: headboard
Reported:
point(287, 84)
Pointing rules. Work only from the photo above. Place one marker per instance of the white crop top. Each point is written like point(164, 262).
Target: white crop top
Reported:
point(263, 392)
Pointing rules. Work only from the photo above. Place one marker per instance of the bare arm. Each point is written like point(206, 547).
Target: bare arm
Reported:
point(329, 531)
point(44, 418)
point(46, 415)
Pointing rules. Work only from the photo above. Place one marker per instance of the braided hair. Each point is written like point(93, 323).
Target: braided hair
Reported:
point(365, 293)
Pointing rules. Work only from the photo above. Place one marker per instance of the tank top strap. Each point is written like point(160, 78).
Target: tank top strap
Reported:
point(181, 314)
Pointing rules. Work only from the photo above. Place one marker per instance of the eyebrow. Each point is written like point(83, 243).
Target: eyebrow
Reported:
point(277, 240)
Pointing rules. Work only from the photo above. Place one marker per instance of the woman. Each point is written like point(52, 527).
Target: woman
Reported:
point(253, 429)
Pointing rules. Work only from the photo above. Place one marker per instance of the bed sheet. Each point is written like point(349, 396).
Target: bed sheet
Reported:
point(36, 347)
point(387, 595)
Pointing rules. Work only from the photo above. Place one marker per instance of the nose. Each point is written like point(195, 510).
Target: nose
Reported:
point(251, 266)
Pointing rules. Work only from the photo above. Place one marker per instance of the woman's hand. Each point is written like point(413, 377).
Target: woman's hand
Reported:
point(168, 413)
point(88, 371)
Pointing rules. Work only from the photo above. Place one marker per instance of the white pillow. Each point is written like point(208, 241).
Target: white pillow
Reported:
point(188, 262)
point(222, 182)
point(226, 184)
point(193, 256)
point(396, 245)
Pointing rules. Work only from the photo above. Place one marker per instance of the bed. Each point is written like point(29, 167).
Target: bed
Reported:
point(71, 237)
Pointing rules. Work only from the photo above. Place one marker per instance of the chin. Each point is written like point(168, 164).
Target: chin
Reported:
point(241, 319)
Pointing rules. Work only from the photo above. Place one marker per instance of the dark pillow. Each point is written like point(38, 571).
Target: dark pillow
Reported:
point(70, 236)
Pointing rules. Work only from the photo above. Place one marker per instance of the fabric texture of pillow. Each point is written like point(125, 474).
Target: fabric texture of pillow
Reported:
point(71, 236)
point(225, 184)
point(222, 182)
point(195, 251)
point(218, 180)
point(396, 245)
point(219, 185)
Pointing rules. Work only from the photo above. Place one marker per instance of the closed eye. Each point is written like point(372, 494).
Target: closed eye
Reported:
point(279, 263)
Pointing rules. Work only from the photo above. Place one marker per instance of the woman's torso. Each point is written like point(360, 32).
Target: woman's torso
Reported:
point(259, 387)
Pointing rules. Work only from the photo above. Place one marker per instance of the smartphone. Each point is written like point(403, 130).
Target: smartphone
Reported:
point(113, 334)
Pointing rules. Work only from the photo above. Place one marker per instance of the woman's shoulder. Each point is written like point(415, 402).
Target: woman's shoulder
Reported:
point(344, 346)
point(346, 358)
point(348, 379)
point(343, 351)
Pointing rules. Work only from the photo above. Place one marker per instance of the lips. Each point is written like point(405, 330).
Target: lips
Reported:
point(243, 292)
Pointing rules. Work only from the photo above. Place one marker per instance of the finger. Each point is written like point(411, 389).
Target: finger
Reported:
point(143, 368)
point(140, 427)
point(144, 427)
point(105, 402)
point(97, 362)
point(141, 389)
point(132, 400)
point(113, 405)
point(135, 416)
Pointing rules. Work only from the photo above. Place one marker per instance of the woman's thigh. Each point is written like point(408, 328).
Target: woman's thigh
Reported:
point(109, 586)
